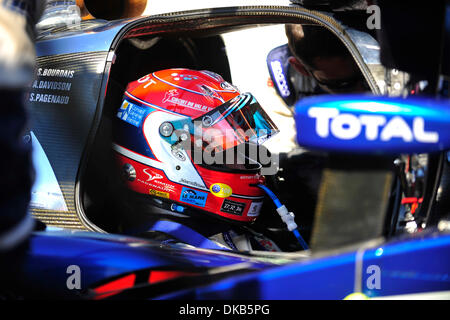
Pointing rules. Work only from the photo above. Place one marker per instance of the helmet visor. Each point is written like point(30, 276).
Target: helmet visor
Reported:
point(239, 120)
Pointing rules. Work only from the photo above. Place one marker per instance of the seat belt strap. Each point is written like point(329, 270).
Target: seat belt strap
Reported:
point(186, 234)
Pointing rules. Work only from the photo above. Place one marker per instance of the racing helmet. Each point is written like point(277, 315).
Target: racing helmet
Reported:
point(182, 136)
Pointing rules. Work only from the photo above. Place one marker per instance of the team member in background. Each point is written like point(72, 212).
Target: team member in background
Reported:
point(17, 60)
point(319, 54)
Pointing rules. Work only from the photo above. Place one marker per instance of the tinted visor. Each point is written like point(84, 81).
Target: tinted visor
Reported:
point(239, 120)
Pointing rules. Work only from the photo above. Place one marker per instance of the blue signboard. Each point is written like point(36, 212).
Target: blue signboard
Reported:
point(371, 124)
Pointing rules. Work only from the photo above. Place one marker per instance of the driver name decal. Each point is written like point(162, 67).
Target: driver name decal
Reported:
point(48, 96)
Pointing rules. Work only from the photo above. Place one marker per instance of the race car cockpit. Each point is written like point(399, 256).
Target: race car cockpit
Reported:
point(232, 43)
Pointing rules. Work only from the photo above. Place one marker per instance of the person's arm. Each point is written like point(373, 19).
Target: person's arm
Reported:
point(17, 61)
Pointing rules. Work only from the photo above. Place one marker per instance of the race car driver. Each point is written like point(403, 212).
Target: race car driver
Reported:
point(186, 143)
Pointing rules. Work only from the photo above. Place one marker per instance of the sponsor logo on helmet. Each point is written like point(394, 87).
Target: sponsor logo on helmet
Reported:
point(233, 207)
point(228, 86)
point(254, 209)
point(179, 155)
point(193, 197)
point(171, 96)
point(155, 181)
point(159, 185)
point(151, 175)
point(187, 77)
point(207, 121)
point(131, 113)
point(160, 194)
point(221, 190)
point(192, 183)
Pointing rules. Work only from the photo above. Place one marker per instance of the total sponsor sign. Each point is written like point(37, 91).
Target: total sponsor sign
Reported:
point(376, 125)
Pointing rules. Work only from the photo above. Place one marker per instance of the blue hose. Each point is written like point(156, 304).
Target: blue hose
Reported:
point(271, 195)
point(300, 239)
point(278, 204)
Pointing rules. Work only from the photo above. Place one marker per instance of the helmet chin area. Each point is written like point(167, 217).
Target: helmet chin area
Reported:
point(240, 159)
